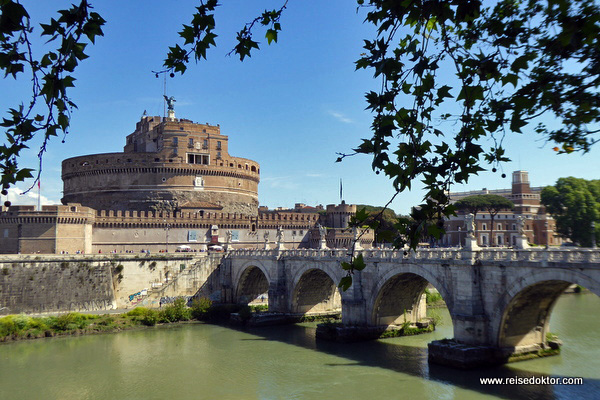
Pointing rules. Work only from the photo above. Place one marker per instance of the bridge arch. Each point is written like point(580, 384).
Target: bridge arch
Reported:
point(398, 296)
point(314, 289)
point(522, 314)
point(251, 283)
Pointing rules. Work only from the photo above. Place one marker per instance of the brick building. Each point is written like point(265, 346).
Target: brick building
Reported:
point(540, 227)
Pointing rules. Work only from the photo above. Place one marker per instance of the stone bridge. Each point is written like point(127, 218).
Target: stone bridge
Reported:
point(499, 300)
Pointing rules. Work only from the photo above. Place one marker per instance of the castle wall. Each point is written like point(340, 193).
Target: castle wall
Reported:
point(137, 182)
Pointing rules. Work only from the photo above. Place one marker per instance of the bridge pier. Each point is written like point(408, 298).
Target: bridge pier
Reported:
point(354, 310)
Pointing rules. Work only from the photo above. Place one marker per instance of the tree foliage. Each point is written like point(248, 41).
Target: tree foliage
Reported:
point(471, 204)
point(383, 221)
point(48, 110)
point(575, 203)
point(512, 63)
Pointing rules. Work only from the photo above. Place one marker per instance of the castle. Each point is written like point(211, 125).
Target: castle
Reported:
point(173, 188)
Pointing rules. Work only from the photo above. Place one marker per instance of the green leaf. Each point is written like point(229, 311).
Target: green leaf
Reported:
point(271, 35)
point(346, 266)
point(359, 263)
point(345, 283)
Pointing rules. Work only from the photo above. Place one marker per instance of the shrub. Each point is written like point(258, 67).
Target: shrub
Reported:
point(433, 297)
point(177, 311)
point(260, 308)
point(38, 323)
point(8, 325)
point(436, 318)
point(106, 320)
point(70, 321)
point(200, 308)
point(150, 318)
point(137, 312)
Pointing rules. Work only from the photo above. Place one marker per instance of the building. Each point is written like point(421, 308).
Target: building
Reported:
point(540, 227)
point(168, 164)
point(174, 187)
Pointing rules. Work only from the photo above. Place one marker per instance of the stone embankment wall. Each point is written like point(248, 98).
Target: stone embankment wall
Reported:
point(40, 286)
point(60, 283)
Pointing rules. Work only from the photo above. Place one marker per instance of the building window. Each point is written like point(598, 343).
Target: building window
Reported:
point(205, 144)
point(175, 141)
point(499, 227)
point(191, 142)
point(483, 227)
point(218, 145)
point(198, 159)
point(218, 155)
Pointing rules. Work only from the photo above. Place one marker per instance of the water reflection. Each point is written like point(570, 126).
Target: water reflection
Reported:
point(214, 362)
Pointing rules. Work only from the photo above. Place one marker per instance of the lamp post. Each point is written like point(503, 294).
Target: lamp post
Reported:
point(593, 224)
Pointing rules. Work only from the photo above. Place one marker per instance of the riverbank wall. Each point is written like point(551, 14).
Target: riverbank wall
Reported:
point(38, 284)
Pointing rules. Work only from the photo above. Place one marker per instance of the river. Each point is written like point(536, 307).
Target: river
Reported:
point(202, 361)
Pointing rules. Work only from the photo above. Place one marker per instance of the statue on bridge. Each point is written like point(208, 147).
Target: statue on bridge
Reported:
point(266, 238)
point(521, 225)
point(322, 236)
point(470, 225)
point(280, 238)
point(322, 231)
point(228, 236)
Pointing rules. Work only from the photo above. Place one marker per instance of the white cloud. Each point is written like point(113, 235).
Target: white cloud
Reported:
point(17, 197)
point(280, 182)
point(340, 117)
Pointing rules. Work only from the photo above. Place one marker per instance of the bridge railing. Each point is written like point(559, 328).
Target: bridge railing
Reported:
point(559, 255)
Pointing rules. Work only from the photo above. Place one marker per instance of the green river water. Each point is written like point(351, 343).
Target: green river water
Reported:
point(202, 361)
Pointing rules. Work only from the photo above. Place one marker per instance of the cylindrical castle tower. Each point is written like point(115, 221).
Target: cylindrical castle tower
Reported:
point(168, 164)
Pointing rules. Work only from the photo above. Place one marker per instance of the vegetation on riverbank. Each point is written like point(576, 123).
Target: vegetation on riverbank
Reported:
point(434, 299)
point(18, 327)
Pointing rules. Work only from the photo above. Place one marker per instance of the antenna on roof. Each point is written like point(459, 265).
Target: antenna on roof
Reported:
point(164, 95)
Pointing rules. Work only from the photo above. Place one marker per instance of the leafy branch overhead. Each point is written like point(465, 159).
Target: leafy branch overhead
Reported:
point(48, 110)
point(457, 74)
point(199, 36)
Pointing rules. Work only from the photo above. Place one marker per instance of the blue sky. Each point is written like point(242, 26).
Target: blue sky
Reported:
point(290, 107)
